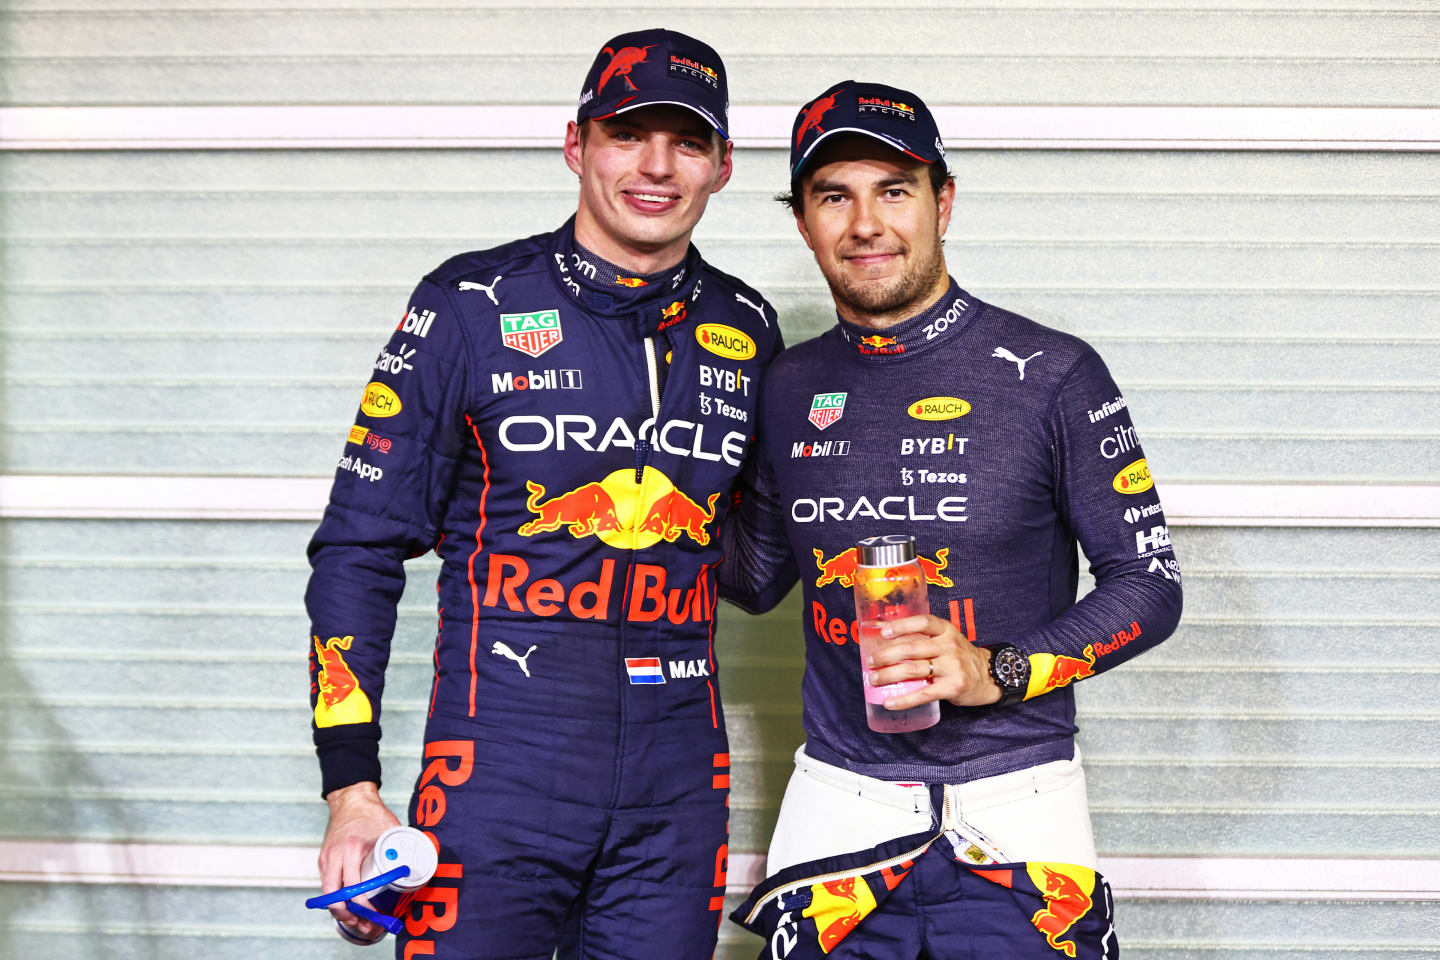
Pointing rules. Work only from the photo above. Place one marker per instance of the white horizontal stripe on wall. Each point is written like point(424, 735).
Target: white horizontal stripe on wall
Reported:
point(965, 127)
point(294, 498)
point(1211, 878)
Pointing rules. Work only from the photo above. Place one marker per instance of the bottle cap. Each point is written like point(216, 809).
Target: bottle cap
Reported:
point(408, 846)
point(888, 551)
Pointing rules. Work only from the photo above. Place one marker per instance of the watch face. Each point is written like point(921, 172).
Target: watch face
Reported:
point(1009, 667)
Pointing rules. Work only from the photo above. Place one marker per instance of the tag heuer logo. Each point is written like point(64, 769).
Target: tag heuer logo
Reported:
point(531, 333)
point(826, 408)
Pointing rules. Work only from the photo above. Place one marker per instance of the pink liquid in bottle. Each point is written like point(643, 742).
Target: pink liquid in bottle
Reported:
point(889, 585)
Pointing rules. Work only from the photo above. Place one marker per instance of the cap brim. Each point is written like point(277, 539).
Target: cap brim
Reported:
point(636, 104)
point(892, 142)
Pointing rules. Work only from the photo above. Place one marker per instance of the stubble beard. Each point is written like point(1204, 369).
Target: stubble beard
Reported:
point(904, 295)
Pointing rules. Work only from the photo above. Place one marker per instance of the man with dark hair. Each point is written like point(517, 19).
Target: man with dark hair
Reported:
point(563, 419)
point(997, 444)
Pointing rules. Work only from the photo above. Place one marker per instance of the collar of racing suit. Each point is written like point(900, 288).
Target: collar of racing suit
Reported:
point(655, 301)
point(934, 325)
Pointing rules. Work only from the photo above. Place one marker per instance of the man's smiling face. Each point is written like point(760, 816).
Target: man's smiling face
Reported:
point(875, 225)
point(645, 177)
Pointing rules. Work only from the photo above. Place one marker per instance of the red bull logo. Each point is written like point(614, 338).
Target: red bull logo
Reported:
point(622, 513)
point(675, 514)
point(435, 907)
point(340, 699)
point(585, 510)
point(1068, 894)
point(813, 114)
point(842, 566)
point(1051, 672)
point(631, 282)
point(832, 629)
point(878, 345)
point(622, 61)
point(508, 584)
point(673, 314)
point(838, 906)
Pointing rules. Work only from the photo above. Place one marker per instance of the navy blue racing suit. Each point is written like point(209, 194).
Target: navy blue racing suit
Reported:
point(998, 444)
point(568, 440)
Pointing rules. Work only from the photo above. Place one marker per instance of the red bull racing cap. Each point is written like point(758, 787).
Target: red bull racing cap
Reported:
point(891, 115)
point(652, 67)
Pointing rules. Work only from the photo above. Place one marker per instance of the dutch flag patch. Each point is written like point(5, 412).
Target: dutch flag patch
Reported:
point(644, 670)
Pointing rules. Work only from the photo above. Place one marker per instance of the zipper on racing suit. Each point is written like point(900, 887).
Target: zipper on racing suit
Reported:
point(947, 822)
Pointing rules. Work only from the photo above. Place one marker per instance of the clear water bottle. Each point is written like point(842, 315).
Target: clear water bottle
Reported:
point(889, 585)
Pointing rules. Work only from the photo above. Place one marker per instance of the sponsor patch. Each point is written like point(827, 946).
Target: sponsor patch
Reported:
point(826, 408)
point(886, 107)
point(531, 333)
point(416, 323)
point(1134, 478)
point(938, 408)
point(369, 438)
point(692, 69)
point(725, 341)
point(379, 401)
point(820, 448)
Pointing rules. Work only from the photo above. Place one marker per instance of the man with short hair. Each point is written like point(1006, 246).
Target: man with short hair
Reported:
point(563, 419)
point(997, 444)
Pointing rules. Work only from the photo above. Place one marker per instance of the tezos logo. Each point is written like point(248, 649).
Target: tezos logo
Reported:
point(826, 408)
point(531, 333)
point(938, 408)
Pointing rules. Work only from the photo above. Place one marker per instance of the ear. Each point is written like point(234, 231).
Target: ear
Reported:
point(800, 225)
point(946, 201)
point(572, 147)
point(727, 167)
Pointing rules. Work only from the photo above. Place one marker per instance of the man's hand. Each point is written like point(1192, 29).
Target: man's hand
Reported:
point(357, 818)
point(928, 648)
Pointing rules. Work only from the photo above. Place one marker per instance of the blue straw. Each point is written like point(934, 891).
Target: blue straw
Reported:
point(355, 889)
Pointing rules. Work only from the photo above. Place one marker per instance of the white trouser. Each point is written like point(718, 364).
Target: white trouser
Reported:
point(1039, 813)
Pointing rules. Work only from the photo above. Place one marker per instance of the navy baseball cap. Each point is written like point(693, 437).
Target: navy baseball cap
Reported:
point(891, 115)
point(656, 66)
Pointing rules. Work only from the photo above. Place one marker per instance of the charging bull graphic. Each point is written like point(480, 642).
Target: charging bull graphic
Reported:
point(1050, 671)
point(622, 513)
point(341, 700)
point(675, 513)
point(841, 567)
point(587, 509)
point(1068, 897)
point(622, 61)
point(838, 906)
point(813, 115)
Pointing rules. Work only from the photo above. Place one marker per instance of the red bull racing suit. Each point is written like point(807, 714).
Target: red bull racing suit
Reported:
point(998, 444)
point(568, 439)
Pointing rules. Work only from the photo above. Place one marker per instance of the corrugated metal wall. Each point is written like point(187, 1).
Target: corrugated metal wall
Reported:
point(1272, 317)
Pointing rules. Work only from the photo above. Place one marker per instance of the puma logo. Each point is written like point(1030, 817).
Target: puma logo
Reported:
point(489, 291)
point(504, 650)
point(758, 309)
point(1004, 354)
